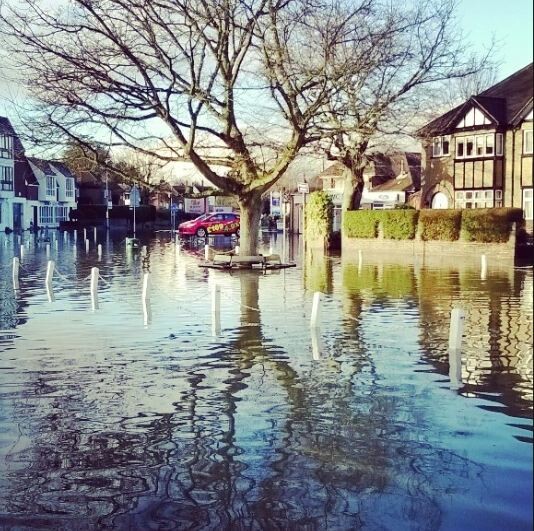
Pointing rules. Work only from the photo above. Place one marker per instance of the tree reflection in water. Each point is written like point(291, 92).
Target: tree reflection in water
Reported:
point(300, 449)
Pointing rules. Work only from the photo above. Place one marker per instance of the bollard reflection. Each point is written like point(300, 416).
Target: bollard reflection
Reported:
point(317, 344)
point(147, 311)
point(50, 293)
point(455, 369)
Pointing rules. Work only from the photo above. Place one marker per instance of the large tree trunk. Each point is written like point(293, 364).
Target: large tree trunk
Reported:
point(250, 207)
point(353, 189)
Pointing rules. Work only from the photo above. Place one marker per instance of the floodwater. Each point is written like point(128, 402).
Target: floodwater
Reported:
point(146, 416)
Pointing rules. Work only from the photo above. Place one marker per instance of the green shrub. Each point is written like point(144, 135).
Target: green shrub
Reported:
point(319, 215)
point(441, 225)
point(360, 224)
point(398, 224)
point(489, 224)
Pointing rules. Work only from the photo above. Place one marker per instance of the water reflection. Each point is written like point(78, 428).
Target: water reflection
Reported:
point(262, 426)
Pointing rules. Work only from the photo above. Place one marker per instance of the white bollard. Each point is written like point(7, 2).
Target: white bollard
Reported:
point(21, 252)
point(86, 245)
point(271, 252)
point(99, 250)
point(56, 244)
point(16, 266)
point(75, 234)
point(456, 329)
point(216, 310)
point(94, 288)
point(85, 234)
point(64, 235)
point(49, 272)
point(236, 249)
point(94, 233)
point(360, 259)
point(316, 310)
point(47, 249)
point(483, 267)
point(206, 252)
point(144, 250)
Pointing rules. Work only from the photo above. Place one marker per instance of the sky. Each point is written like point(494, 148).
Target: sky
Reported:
point(507, 22)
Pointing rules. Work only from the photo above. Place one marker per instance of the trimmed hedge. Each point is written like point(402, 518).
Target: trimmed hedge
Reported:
point(440, 225)
point(489, 225)
point(399, 224)
point(319, 215)
point(360, 223)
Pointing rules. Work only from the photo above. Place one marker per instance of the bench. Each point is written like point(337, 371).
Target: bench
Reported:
point(229, 260)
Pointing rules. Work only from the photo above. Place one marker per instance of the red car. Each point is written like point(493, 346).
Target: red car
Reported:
point(220, 223)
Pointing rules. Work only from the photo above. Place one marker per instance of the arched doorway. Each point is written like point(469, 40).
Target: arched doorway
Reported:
point(440, 200)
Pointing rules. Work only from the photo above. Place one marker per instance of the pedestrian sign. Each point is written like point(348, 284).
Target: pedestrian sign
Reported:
point(174, 208)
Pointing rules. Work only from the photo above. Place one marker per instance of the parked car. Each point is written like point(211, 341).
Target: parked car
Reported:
point(219, 223)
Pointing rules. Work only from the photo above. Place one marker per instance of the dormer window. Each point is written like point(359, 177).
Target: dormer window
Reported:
point(69, 187)
point(440, 146)
point(6, 147)
point(50, 186)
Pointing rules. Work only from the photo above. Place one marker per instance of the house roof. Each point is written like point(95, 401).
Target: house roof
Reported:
point(400, 184)
point(7, 129)
point(506, 103)
point(23, 170)
point(42, 165)
point(62, 168)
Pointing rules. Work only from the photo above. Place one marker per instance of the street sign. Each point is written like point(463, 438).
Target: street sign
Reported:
point(174, 208)
point(135, 196)
point(303, 188)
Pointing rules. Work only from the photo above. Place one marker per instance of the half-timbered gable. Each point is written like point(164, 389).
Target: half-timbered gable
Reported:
point(479, 154)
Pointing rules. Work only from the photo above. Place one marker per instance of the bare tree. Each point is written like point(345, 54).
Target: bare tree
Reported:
point(203, 80)
point(394, 57)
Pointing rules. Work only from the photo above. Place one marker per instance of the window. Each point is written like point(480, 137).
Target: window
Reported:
point(469, 145)
point(460, 147)
point(50, 186)
point(527, 203)
point(490, 144)
point(498, 138)
point(498, 198)
point(6, 178)
point(69, 187)
point(62, 213)
point(46, 215)
point(6, 147)
point(480, 146)
point(440, 146)
point(476, 199)
point(527, 142)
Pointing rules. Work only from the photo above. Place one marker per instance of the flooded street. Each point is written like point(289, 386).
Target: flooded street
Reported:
point(138, 418)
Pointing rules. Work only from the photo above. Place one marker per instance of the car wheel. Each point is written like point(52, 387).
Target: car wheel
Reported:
point(201, 233)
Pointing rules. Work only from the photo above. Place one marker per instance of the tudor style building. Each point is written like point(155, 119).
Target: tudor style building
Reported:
point(479, 154)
